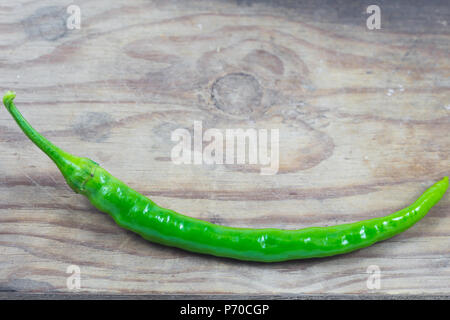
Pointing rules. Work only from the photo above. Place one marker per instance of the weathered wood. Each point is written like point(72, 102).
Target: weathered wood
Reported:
point(363, 116)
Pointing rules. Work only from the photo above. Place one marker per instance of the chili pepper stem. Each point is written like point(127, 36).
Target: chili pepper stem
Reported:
point(57, 155)
point(76, 170)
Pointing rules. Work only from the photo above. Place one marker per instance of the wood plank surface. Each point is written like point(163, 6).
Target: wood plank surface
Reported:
point(363, 117)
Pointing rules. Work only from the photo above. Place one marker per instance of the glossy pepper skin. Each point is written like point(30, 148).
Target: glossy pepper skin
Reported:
point(137, 213)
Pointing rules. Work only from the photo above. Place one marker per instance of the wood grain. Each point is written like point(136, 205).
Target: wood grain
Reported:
point(363, 115)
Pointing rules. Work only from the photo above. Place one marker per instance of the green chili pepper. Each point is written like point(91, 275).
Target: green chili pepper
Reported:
point(137, 213)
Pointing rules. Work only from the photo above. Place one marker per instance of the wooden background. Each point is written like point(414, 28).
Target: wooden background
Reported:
point(364, 118)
